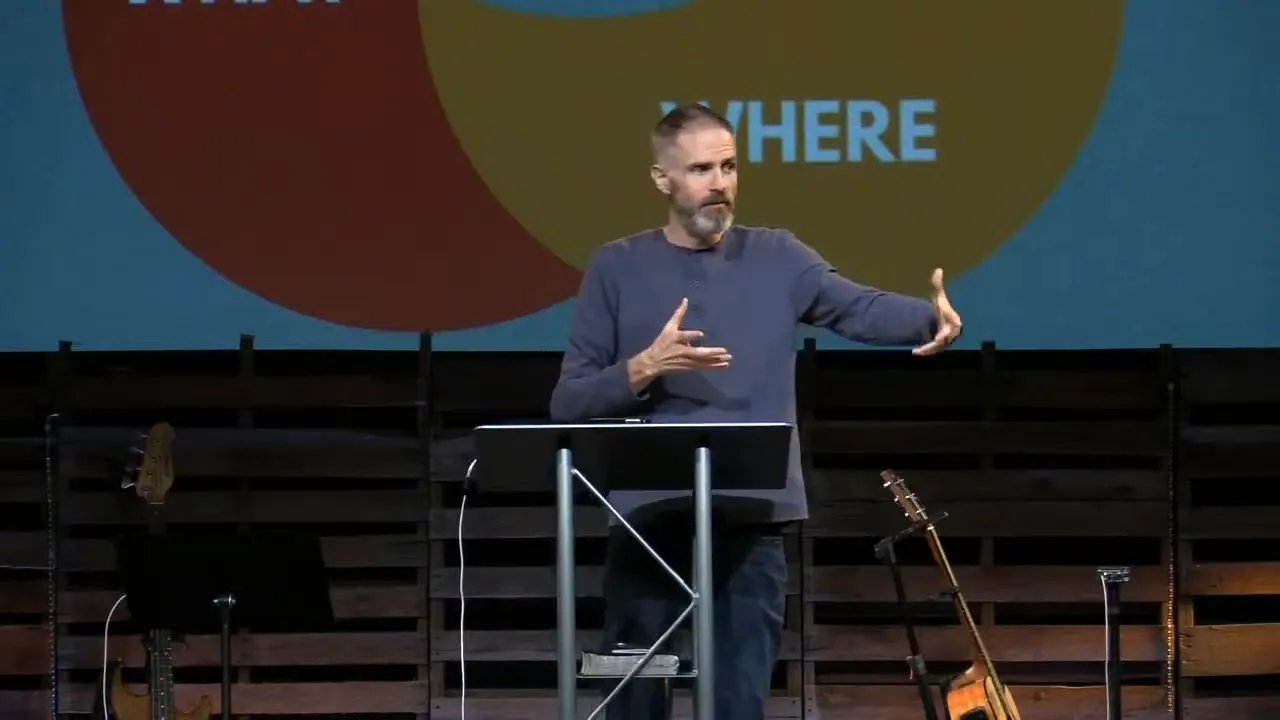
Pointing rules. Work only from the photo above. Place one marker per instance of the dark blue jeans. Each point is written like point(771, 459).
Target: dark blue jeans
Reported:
point(749, 567)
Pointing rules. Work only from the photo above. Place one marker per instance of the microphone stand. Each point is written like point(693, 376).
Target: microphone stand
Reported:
point(885, 551)
point(225, 603)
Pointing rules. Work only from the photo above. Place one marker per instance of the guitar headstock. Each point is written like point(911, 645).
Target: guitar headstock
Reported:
point(907, 500)
point(155, 469)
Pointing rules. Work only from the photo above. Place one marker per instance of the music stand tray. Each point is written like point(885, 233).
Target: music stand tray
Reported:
point(190, 583)
point(278, 580)
point(632, 455)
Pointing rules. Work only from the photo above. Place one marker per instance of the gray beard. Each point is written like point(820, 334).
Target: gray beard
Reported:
point(703, 224)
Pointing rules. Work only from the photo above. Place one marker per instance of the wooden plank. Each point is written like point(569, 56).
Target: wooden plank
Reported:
point(974, 485)
point(1231, 650)
point(334, 461)
point(21, 486)
point(1007, 643)
point(1243, 707)
point(999, 584)
point(18, 402)
point(26, 650)
point(1024, 584)
point(274, 453)
point(196, 506)
point(74, 606)
point(449, 460)
point(1230, 451)
point(248, 440)
point(25, 549)
point(509, 383)
point(320, 699)
point(838, 389)
point(1233, 435)
point(1225, 462)
point(232, 392)
point(1236, 377)
point(838, 643)
point(848, 702)
point(997, 519)
point(969, 519)
point(1229, 523)
point(1044, 703)
point(349, 551)
point(891, 702)
point(538, 705)
point(1001, 438)
point(1075, 389)
point(902, 702)
point(1245, 578)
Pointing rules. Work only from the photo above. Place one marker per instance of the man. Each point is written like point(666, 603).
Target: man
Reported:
point(695, 322)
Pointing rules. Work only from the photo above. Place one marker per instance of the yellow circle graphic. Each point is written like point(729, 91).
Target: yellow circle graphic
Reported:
point(893, 137)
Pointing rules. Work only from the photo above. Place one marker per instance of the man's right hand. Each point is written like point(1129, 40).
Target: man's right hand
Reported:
point(673, 351)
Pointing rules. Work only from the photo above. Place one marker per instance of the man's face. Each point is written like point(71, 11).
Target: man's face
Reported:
point(699, 174)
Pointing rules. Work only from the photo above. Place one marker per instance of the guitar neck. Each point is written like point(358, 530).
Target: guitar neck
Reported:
point(155, 525)
point(962, 607)
point(160, 683)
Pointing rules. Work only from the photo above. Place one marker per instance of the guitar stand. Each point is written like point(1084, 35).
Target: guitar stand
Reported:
point(885, 551)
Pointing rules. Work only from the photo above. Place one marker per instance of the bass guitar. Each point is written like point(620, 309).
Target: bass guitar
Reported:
point(152, 483)
point(976, 693)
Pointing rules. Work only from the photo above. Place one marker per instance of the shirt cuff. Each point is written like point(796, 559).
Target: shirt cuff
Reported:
point(620, 386)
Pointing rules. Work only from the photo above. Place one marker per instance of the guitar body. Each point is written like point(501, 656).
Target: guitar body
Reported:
point(124, 705)
point(975, 695)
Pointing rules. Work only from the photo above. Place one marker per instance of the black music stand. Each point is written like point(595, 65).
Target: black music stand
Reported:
point(191, 583)
point(634, 455)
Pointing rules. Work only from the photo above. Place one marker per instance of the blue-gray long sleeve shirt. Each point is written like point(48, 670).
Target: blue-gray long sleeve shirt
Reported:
point(747, 294)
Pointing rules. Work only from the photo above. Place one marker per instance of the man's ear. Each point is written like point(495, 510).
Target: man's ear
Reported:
point(660, 180)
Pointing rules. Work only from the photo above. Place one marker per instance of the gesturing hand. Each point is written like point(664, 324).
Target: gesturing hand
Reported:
point(673, 349)
point(949, 325)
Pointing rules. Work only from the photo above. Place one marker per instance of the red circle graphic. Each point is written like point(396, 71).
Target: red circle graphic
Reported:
point(300, 150)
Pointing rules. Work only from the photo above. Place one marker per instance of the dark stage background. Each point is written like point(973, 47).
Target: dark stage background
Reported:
point(1050, 464)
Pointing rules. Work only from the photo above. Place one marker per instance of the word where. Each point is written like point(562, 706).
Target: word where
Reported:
point(832, 131)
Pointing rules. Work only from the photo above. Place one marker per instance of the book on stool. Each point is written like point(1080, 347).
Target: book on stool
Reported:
point(623, 657)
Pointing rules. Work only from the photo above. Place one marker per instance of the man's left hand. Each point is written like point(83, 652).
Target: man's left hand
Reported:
point(949, 325)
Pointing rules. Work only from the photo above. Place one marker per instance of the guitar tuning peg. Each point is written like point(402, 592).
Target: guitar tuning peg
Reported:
point(136, 450)
point(127, 482)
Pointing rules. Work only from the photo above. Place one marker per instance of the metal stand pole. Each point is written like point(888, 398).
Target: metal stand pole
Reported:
point(225, 603)
point(566, 593)
point(919, 672)
point(704, 620)
point(1112, 578)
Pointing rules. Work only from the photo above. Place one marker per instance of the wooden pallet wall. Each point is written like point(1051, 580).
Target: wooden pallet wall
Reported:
point(1049, 465)
point(1228, 499)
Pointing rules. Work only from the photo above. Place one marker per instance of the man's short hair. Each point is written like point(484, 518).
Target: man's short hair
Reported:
point(682, 118)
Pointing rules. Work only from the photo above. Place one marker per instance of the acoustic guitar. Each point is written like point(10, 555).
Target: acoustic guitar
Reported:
point(976, 693)
point(152, 483)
